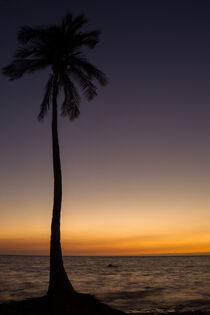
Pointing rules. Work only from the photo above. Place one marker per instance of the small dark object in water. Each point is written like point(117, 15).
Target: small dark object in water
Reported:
point(111, 266)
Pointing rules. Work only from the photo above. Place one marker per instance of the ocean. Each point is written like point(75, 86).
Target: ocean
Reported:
point(133, 284)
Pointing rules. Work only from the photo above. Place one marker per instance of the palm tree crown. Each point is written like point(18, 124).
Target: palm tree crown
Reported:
point(59, 47)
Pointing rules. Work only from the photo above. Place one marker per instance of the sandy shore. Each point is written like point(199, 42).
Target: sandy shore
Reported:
point(79, 304)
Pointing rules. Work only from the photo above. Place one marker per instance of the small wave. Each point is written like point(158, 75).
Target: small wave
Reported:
point(125, 295)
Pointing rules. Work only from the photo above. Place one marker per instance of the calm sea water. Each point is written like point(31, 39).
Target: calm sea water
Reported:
point(136, 284)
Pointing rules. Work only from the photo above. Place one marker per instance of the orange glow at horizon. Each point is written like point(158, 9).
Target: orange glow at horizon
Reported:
point(147, 214)
point(135, 246)
point(123, 238)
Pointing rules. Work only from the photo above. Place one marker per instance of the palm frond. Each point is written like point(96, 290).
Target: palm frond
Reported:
point(66, 21)
point(25, 52)
point(78, 22)
point(27, 33)
point(91, 71)
point(70, 106)
point(18, 67)
point(88, 88)
point(90, 39)
point(45, 105)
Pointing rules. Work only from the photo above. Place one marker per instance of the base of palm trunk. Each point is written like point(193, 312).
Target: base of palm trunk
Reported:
point(60, 284)
point(81, 304)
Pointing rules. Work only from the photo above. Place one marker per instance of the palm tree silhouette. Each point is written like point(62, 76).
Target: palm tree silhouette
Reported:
point(60, 48)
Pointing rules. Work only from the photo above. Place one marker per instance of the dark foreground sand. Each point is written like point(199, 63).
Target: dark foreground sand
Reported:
point(79, 304)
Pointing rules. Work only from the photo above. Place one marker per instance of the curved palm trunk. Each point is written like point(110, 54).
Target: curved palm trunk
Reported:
point(59, 282)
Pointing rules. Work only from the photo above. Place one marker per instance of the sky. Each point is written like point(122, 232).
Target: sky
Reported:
point(136, 164)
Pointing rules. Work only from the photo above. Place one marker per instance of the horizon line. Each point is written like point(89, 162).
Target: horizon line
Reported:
point(140, 255)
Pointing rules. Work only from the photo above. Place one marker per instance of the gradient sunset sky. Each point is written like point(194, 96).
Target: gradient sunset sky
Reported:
point(136, 164)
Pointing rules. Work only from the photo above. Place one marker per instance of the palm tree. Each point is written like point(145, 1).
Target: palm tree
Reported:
point(60, 49)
